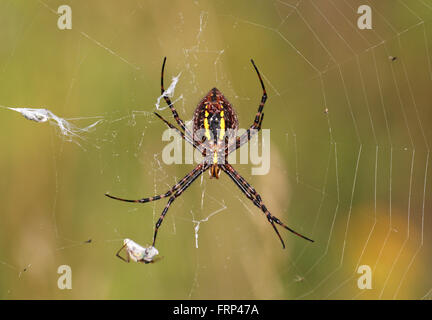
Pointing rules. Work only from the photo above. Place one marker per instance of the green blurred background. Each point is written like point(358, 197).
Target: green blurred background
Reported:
point(355, 178)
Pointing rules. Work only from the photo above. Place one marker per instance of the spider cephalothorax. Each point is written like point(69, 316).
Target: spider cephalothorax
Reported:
point(215, 127)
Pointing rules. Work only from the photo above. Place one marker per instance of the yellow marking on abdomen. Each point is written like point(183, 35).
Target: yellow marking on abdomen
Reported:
point(222, 128)
point(206, 127)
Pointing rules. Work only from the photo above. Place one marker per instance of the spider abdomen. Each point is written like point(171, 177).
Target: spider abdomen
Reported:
point(214, 118)
point(215, 122)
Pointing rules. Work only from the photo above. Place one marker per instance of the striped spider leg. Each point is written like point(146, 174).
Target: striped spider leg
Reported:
point(256, 125)
point(173, 193)
point(251, 194)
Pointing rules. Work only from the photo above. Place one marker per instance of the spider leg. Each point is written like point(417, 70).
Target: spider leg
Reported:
point(127, 254)
point(254, 200)
point(170, 105)
point(256, 126)
point(245, 137)
point(263, 98)
point(167, 194)
point(187, 138)
point(192, 177)
point(168, 100)
point(263, 207)
point(251, 193)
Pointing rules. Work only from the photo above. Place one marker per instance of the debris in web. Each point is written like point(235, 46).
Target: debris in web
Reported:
point(38, 115)
point(168, 92)
point(138, 253)
point(198, 222)
point(24, 270)
point(75, 244)
point(67, 129)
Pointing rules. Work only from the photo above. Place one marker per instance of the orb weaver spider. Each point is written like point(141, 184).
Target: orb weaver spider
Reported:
point(214, 116)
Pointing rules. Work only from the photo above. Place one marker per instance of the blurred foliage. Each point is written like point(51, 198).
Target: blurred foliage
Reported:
point(352, 177)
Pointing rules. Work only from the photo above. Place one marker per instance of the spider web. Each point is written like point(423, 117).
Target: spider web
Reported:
point(350, 149)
